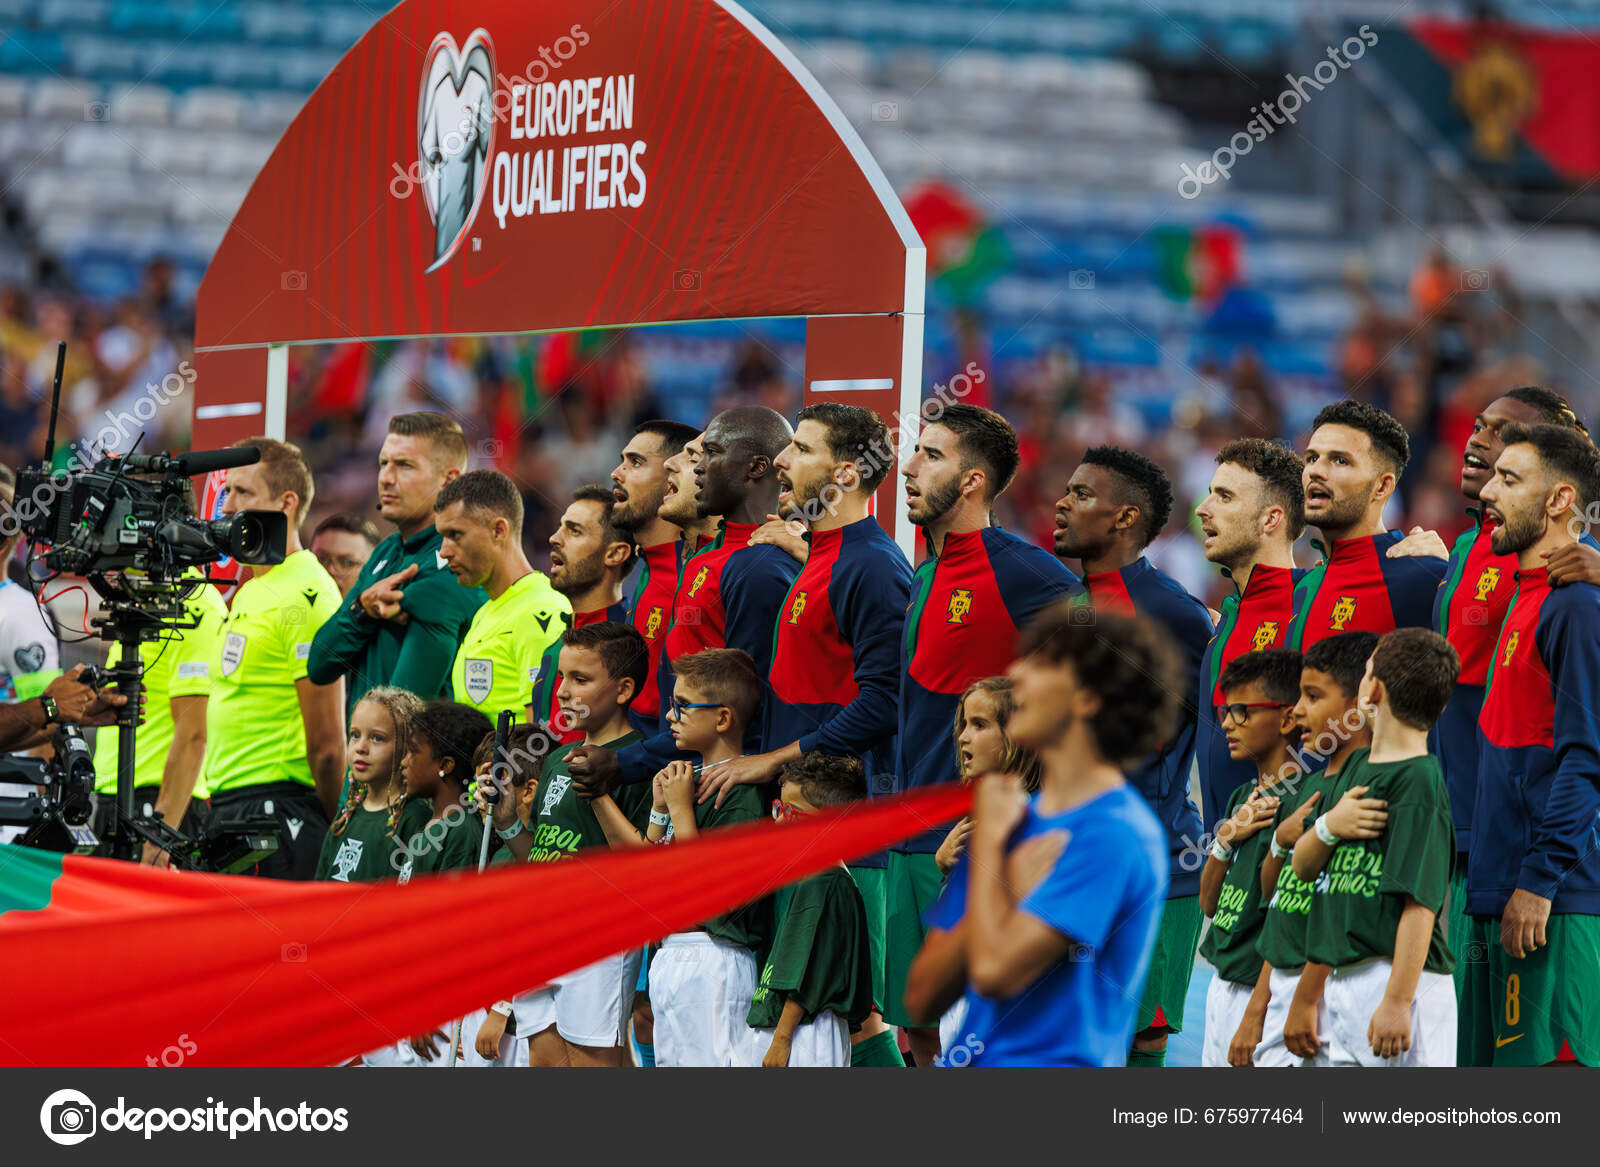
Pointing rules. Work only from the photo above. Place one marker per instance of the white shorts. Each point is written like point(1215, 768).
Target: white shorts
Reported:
point(822, 1041)
point(589, 1007)
point(700, 993)
point(1225, 1006)
point(1272, 1052)
point(1353, 995)
point(399, 1053)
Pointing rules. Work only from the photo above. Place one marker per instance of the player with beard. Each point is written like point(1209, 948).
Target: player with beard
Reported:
point(729, 591)
point(836, 646)
point(977, 587)
point(1251, 517)
point(1533, 882)
point(639, 485)
point(1468, 612)
point(1116, 502)
point(1354, 460)
point(589, 557)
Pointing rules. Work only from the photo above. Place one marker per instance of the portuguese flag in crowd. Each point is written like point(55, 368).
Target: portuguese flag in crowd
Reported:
point(109, 963)
point(965, 251)
point(1198, 263)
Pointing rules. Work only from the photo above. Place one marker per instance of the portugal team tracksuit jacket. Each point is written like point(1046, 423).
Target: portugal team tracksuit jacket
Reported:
point(1142, 589)
point(968, 603)
point(1357, 588)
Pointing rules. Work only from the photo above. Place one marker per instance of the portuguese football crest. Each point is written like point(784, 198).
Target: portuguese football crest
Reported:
point(1487, 582)
point(699, 579)
point(1266, 635)
point(652, 622)
point(1343, 612)
point(960, 604)
point(1511, 648)
point(797, 607)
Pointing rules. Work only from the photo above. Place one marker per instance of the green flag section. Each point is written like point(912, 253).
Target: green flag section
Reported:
point(965, 251)
point(105, 962)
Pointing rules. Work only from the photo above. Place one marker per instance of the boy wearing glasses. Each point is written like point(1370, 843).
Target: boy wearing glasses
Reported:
point(817, 985)
point(1259, 691)
point(702, 981)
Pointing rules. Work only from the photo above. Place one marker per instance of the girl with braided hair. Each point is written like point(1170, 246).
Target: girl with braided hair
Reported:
point(362, 840)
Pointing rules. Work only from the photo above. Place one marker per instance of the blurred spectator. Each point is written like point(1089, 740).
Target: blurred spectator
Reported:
point(343, 543)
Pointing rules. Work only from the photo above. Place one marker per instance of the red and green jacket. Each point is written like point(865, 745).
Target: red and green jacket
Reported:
point(651, 614)
point(1470, 608)
point(967, 605)
point(1357, 588)
point(1539, 758)
point(1258, 619)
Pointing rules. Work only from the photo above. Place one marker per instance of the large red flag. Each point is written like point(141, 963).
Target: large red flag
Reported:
point(107, 963)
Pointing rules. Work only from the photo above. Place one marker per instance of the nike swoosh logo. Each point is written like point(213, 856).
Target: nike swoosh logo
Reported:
point(1501, 1041)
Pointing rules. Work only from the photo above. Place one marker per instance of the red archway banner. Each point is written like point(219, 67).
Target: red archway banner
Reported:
point(531, 167)
point(110, 963)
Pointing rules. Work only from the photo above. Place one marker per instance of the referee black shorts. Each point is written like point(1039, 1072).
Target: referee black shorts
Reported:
point(144, 806)
point(302, 824)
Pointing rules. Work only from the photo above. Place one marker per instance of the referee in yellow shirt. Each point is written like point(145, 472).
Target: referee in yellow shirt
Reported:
point(479, 520)
point(275, 740)
point(172, 739)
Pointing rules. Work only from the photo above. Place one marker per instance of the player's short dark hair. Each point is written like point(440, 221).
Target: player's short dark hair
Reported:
point(452, 730)
point(674, 435)
point(827, 779)
point(351, 524)
point(527, 746)
point(620, 648)
point(609, 531)
point(725, 675)
point(1418, 668)
point(1343, 658)
point(285, 471)
point(1553, 408)
point(442, 434)
point(986, 439)
point(1127, 660)
point(1148, 486)
point(1564, 452)
point(1276, 670)
point(484, 491)
point(1280, 470)
point(1388, 436)
point(855, 434)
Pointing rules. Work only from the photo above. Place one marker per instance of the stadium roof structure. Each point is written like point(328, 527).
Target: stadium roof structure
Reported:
point(564, 165)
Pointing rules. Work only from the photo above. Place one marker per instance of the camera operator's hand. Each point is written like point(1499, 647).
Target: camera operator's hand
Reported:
point(78, 704)
point(381, 601)
point(154, 856)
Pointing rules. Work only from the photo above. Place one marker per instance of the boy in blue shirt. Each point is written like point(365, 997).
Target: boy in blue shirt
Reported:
point(1049, 920)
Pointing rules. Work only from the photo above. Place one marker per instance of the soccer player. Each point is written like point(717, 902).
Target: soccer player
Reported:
point(274, 736)
point(977, 587)
point(1469, 610)
point(817, 983)
point(404, 617)
point(1259, 691)
point(342, 543)
point(729, 592)
point(1354, 460)
point(639, 488)
point(589, 556)
point(479, 519)
point(1294, 1029)
point(1250, 519)
point(836, 643)
point(580, 1019)
point(171, 743)
point(1383, 854)
point(1048, 922)
point(1533, 882)
point(1116, 502)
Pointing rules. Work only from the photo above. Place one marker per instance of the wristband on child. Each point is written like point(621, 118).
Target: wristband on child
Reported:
point(1324, 833)
point(501, 1007)
point(1220, 851)
point(1278, 852)
point(660, 818)
point(511, 832)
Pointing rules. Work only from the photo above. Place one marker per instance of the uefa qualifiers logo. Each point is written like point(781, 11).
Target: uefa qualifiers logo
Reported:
point(68, 1117)
point(455, 133)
